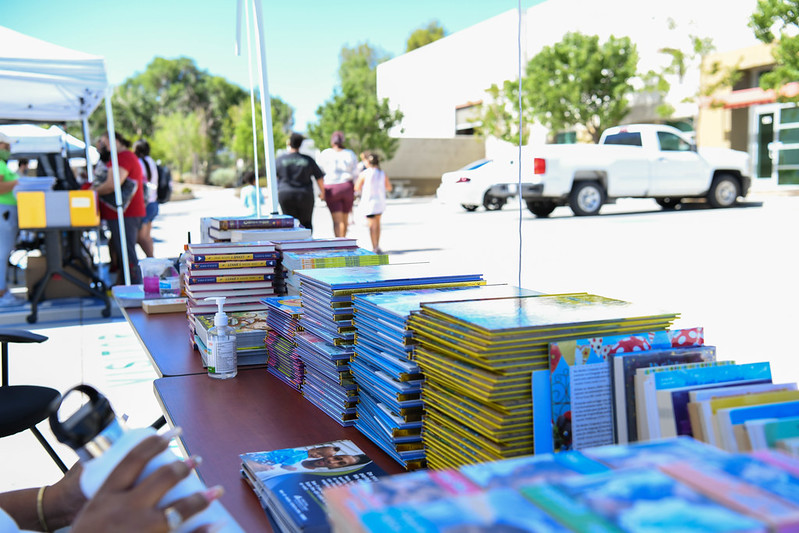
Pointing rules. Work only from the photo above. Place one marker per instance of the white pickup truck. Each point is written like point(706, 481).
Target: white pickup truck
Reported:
point(632, 161)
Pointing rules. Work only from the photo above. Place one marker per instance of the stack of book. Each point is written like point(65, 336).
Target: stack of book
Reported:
point(670, 485)
point(477, 357)
point(328, 382)
point(251, 330)
point(270, 234)
point(307, 245)
point(327, 301)
point(326, 258)
point(220, 229)
point(243, 273)
point(283, 321)
point(289, 482)
point(390, 406)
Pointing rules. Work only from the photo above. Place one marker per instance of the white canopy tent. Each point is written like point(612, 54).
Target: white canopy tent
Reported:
point(30, 139)
point(44, 82)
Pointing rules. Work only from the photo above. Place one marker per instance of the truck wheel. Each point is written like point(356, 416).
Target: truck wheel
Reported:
point(493, 203)
point(541, 209)
point(586, 198)
point(469, 207)
point(724, 191)
point(668, 203)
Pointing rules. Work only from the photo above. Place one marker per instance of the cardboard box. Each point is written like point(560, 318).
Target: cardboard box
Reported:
point(58, 287)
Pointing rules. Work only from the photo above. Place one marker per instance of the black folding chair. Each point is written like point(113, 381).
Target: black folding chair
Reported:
point(24, 406)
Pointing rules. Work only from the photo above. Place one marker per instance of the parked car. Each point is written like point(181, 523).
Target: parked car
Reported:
point(485, 182)
point(634, 161)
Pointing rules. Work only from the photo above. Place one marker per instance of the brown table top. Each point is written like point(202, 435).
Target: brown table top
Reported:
point(165, 338)
point(252, 412)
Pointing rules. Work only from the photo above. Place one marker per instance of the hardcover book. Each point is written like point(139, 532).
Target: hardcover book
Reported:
point(250, 235)
point(270, 221)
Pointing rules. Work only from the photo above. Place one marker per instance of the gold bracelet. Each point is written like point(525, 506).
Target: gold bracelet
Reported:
point(40, 508)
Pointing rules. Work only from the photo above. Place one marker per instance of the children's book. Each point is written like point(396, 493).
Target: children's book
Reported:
point(291, 481)
point(250, 235)
point(651, 454)
point(315, 244)
point(332, 258)
point(250, 222)
point(581, 369)
point(638, 500)
point(728, 418)
point(251, 327)
point(625, 366)
point(227, 248)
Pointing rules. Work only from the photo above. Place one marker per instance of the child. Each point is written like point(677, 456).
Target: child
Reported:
point(373, 184)
point(336, 461)
point(290, 456)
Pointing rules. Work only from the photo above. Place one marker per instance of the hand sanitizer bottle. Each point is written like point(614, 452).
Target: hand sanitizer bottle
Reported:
point(222, 360)
point(101, 441)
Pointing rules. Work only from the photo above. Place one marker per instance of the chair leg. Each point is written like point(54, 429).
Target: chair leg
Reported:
point(49, 449)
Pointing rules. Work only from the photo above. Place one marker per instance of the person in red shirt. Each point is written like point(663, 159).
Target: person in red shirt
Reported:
point(129, 168)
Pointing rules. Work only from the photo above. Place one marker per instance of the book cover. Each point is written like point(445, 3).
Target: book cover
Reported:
point(642, 500)
point(374, 277)
point(625, 366)
point(197, 259)
point(570, 376)
point(729, 417)
point(651, 454)
point(251, 326)
point(293, 479)
point(780, 429)
point(270, 221)
point(736, 494)
point(204, 280)
point(332, 258)
point(313, 244)
point(232, 264)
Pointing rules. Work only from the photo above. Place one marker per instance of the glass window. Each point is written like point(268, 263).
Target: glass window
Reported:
point(568, 137)
point(626, 138)
point(670, 142)
point(789, 136)
point(789, 115)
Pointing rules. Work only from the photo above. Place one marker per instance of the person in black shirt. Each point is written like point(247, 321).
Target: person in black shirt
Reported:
point(295, 172)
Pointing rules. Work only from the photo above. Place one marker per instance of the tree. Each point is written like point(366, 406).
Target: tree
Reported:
point(425, 35)
point(354, 107)
point(579, 81)
point(500, 114)
point(179, 141)
point(239, 129)
point(777, 22)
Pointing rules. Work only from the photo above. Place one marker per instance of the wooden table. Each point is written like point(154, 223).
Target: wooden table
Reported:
point(252, 412)
point(166, 341)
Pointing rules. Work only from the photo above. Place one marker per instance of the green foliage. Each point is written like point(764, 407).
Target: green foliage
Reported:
point(178, 139)
point(238, 129)
point(500, 114)
point(354, 107)
point(579, 81)
point(223, 177)
point(777, 22)
point(425, 35)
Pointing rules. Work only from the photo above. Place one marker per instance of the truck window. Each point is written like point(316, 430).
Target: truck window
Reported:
point(672, 143)
point(626, 138)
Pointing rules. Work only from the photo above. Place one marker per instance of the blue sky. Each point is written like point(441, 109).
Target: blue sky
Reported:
point(303, 39)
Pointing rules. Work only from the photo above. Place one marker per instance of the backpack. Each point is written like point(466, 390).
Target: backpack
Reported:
point(164, 184)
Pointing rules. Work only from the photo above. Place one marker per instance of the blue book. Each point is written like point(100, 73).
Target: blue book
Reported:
point(375, 277)
point(734, 416)
point(653, 453)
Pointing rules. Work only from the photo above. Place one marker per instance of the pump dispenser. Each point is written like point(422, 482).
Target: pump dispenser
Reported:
point(222, 360)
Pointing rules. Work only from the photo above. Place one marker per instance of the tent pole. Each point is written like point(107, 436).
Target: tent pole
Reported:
point(87, 146)
point(109, 113)
point(258, 193)
point(266, 108)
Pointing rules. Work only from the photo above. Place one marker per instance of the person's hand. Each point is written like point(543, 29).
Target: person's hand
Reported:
point(122, 507)
point(65, 498)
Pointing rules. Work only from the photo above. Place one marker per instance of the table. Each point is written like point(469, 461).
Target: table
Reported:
point(252, 412)
point(59, 256)
point(166, 341)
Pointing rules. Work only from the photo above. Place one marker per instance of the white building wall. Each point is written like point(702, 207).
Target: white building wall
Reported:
point(427, 84)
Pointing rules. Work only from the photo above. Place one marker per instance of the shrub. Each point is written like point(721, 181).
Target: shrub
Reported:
point(223, 177)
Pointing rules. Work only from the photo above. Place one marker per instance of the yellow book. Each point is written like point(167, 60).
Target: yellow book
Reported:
point(31, 209)
point(83, 209)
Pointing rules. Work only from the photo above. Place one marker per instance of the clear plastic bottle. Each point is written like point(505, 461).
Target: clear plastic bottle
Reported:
point(222, 357)
point(183, 269)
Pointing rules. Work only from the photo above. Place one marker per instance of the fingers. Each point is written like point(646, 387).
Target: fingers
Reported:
point(130, 468)
point(191, 505)
point(156, 485)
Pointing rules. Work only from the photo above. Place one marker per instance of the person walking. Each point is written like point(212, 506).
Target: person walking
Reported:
point(250, 196)
point(340, 167)
point(373, 184)
point(142, 150)
point(295, 175)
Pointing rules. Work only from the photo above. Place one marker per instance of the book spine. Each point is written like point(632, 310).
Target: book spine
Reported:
point(194, 280)
point(335, 262)
point(209, 258)
point(571, 513)
point(232, 264)
point(256, 223)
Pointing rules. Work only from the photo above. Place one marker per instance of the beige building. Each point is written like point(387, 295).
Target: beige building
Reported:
point(745, 117)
